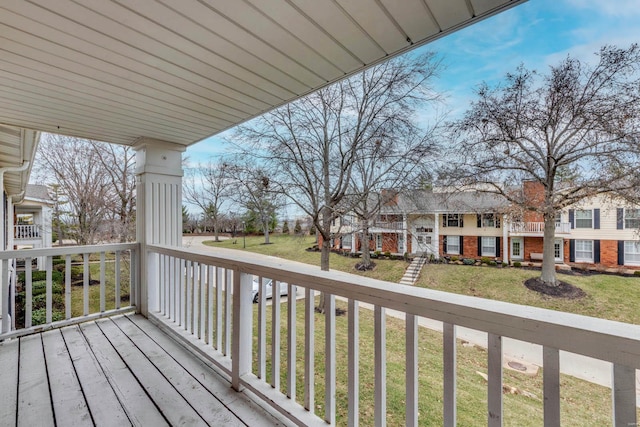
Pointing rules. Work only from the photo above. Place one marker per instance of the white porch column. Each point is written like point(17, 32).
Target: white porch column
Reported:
point(405, 233)
point(505, 239)
point(436, 234)
point(158, 209)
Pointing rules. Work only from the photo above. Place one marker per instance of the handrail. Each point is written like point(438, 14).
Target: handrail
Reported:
point(617, 342)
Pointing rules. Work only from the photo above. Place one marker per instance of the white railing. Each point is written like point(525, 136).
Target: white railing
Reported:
point(388, 225)
point(537, 227)
point(79, 283)
point(27, 231)
point(207, 302)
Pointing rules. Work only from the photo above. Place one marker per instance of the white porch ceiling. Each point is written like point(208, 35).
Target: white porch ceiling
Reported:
point(180, 71)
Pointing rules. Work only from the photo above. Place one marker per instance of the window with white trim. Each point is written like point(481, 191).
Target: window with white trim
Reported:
point(453, 245)
point(346, 241)
point(631, 252)
point(584, 218)
point(631, 218)
point(489, 220)
point(453, 220)
point(488, 246)
point(584, 250)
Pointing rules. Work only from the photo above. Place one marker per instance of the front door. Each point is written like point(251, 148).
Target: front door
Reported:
point(378, 242)
point(401, 244)
point(517, 247)
point(558, 253)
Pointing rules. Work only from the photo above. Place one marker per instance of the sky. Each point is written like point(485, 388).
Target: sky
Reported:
point(537, 34)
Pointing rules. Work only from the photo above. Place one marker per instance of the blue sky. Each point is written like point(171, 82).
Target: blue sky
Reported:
point(537, 34)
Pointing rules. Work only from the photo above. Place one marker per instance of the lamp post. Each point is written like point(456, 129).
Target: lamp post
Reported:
point(244, 235)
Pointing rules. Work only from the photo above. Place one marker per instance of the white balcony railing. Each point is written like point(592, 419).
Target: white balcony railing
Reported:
point(206, 301)
point(71, 274)
point(388, 225)
point(27, 231)
point(538, 227)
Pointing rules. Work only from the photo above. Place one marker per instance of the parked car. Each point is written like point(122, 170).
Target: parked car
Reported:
point(284, 289)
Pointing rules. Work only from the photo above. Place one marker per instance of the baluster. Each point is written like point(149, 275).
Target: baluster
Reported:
point(227, 312)
point(494, 405)
point(411, 349)
point(85, 283)
point(624, 396)
point(262, 329)
point(49, 296)
point(117, 274)
point(309, 350)
point(380, 365)
point(551, 385)
point(219, 282)
point(449, 368)
point(291, 342)
point(102, 283)
point(353, 360)
point(330, 359)
point(275, 334)
point(28, 291)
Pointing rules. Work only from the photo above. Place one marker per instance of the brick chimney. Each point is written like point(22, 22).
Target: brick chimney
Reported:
point(534, 196)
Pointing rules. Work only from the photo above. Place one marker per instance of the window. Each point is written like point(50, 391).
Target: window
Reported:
point(453, 245)
point(346, 241)
point(584, 218)
point(631, 252)
point(378, 242)
point(488, 220)
point(632, 218)
point(453, 220)
point(488, 246)
point(558, 219)
point(584, 250)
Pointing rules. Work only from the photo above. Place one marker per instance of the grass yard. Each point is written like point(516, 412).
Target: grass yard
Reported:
point(608, 296)
point(582, 403)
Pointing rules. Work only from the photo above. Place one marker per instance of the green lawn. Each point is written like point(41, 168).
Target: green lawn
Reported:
point(608, 296)
point(582, 403)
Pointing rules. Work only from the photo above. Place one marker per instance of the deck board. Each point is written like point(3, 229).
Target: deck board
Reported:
point(9, 352)
point(69, 405)
point(211, 409)
point(34, 402)
point(116, 372)
point(171, 404)
point(102, 401)
point(139, 407)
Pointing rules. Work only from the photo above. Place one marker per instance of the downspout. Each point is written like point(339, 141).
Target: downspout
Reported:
point(25, 165)
point(10, 219)
point(7, 318)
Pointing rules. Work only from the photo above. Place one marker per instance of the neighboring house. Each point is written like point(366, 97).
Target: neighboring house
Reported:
point(32, 221)
point(600, 231)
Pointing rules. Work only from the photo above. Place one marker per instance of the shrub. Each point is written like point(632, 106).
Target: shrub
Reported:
point(454, 258)
point(387, 254)
point(485, 260)
point(493, 263)
point(39, 316)
point(468, 261)
point(38, 275)
point(636, 273)
point(504, 264)
point(57, 261)
point(517, 264)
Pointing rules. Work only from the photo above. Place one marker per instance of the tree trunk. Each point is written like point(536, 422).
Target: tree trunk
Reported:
point(548, 274)
point(266, 235)
point(366, 252)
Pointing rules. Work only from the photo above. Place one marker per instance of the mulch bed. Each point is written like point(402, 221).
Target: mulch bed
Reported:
point(362, 267)
point(562, 290)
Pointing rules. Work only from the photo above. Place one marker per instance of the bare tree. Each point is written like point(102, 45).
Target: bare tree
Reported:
point(119, 164)
point(254, 192)
point(75, 167)
point(384, 169)
point(570, 131)
point(313, 144)
point(207, 186)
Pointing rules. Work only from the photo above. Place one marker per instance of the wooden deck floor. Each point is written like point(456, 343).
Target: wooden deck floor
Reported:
point(115, 372)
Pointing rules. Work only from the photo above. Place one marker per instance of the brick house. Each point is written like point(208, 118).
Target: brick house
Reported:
point(602, 231)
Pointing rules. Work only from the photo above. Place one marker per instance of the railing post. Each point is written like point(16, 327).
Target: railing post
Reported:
point(242, 328)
